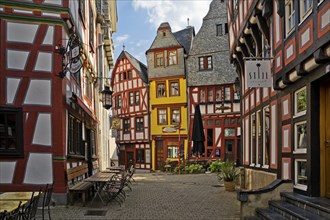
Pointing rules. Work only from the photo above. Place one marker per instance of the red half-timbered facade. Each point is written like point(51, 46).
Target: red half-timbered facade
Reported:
point(285, 128)
point(130, 112)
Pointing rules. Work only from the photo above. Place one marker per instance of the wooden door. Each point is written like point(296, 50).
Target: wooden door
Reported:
point(325, 138)
point(229, 150)
point(129, 159)
point(159, 155)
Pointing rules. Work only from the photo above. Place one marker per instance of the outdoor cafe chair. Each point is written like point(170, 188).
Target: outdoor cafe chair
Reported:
point(114, 190)
point(30, 210)
point(47, 199)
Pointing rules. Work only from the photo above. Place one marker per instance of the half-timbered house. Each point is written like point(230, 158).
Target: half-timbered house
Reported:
point(210, 80)
point(130, 111)
point(168, 96)
point(285, 127)
point(48, 103)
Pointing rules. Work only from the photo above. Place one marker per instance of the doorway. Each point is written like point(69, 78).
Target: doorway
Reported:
point(159, 155)
point(129, 159)
point(229, 150)
point(325, 137)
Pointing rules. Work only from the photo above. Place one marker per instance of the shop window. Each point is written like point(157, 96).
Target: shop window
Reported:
point(140, 156)
point(210, 137)
point(127, 125)
point(172, 151)
point(174, 88)
point(227, 94)
point(11, 132)
point(300, 102)
point(301, 174)
point(300, 137)
point(210, 95)
point(75, 144)
point(161, 89)
point(139, 125)
point(218, 97)
point(266, 136)
point(162, 116)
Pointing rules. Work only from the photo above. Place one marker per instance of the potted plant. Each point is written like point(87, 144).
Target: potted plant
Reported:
point(228, 173)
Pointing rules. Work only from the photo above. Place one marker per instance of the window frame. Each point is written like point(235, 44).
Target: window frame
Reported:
point(305, 12)
point(266, 136)
point(158, 89)
point(172, 89)
point(178, 115)
point(91, 29)
point(205, 63)
point(159, 59)
point(19, 149)
point(137, 97)
point(173, 149)
point(75, 141)
point(219, 30)
point(290, 17)
point(298, 138)
point(296, 176)
point(139, 124)
point(126, 125)
point(298, 113)
point(172, 59)
point(140, 152)
point(163, 114)
point(131, 98)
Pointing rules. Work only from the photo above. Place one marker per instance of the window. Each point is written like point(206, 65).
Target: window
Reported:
point(266, 136)
point(88, 89)
point(259, 139)
point(131, 98)
point(205, 63)
point(172, 151)
point(172, 58)
point(129, 75)
point(174, 88)
point(119, 101)
point(300, 137)
point(82, 10)
point(226, 28)
point(120, 77)
point(159, 57)
point(218, 97)
point(137, 98)
point(127, 125)
point(75, 144)
point(92, 142)
point(210, 137)
point(175, 116)
point(202, 95)
point(301, 174)
point(219, 29)
point(161, 89)
point(210, 95)
point(162, 116)
point(253, 139)
point(140, 156)
point(305, 8)
point(229, 132)
point(290, 16)
point(139, 125)
point(227, 94)
point(300, 102)
point(91, 29)
point(11, 132)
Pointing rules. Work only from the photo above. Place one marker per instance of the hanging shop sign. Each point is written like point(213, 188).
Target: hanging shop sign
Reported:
point(258, 72)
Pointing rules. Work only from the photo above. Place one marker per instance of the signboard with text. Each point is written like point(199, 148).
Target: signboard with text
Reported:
point(257, 73)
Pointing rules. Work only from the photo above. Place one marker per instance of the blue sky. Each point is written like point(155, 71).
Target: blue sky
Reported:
point(138, 21)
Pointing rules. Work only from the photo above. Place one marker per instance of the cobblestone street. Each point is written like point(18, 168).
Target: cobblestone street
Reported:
point(163, 196)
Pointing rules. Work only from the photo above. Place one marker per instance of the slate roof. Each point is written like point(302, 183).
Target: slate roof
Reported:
point(185, 37)
point(141, 69)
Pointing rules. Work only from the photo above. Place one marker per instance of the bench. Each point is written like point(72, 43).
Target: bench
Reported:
point(77, 185)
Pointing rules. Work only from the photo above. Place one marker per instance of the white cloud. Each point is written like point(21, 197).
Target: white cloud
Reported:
point(176, 12)
point(121, 39)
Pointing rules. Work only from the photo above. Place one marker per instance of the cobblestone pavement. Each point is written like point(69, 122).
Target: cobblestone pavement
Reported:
point(163, 196)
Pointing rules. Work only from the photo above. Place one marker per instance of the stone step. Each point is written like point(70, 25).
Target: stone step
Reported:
point(292, 212)
point(269, 214)
point(316, 205)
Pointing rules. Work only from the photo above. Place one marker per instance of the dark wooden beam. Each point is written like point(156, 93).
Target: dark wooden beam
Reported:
point(249, 44)
point(300, 70)
point(268, 9)
point(263, 26)
point(244, 49)
point(280, 7)
point(256, 37)
point(320, 57)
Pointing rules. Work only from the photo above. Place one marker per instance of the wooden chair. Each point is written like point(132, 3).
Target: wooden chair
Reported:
point(30, 210)
point(14, 215)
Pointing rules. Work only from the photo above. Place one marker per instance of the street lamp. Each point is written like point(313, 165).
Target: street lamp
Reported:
point(107, 97)
point(237, 87)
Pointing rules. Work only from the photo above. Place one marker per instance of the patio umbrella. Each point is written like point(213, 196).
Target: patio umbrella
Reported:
point(198, 136)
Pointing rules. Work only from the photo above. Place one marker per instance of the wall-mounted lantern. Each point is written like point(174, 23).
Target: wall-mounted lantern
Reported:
point(107, 97)
point(237, 86)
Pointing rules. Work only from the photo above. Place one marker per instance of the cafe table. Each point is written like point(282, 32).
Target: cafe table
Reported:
point(17, 196)
point(10, 205)
point(115, 169)
point(99, 179)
